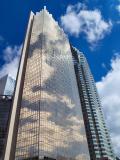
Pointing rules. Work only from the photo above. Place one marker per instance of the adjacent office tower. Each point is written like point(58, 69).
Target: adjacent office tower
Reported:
point(97, 134)
point(46, 120)
point(7, 84)
point(5, 110)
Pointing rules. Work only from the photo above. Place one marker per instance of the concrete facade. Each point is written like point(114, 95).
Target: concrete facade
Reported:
point(99, 141)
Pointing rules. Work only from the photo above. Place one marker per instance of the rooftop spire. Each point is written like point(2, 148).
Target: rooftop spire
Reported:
point(44, 7)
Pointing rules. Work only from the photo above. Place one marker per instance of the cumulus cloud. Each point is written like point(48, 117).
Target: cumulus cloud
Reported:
point(109, 90)
point(10, 53)
point(11, 56)
point(118, 8)
point(78, 19)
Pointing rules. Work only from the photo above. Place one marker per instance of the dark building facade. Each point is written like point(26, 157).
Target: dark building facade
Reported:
point(5, 111)
point(97, 134)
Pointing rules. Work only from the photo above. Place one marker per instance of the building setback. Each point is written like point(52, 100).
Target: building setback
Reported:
point(97, 134)
point(47, 120)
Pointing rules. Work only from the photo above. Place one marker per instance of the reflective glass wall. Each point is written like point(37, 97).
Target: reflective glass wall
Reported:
point(51, 122)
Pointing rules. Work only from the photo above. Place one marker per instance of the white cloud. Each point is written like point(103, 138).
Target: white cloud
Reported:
point(109, 90)
point(10, 53)
point(11, 56)
point(90, 22)
point(118, 8)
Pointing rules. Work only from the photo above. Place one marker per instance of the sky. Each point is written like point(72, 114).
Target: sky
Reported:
point(92, 26)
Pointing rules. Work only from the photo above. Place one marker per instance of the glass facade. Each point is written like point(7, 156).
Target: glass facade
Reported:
point(51, 123)
point(98, 138)
point(7, 84)
point(5, 110)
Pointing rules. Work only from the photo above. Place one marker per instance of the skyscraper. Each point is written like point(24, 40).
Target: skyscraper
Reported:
point(5, 111)
point(7, 84)
point(46, 120)
point(97, 134)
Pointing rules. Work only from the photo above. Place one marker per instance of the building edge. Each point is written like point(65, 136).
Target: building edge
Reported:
point(11, 139)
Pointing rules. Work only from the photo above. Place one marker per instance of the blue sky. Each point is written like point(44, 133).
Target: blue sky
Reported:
point(14, 17)
point(93, 26)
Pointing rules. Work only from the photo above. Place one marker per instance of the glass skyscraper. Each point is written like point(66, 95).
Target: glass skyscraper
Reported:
point(46, 120)
point(97, 134)
point(56, 111)
point(5, 111)
point(7, 84)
